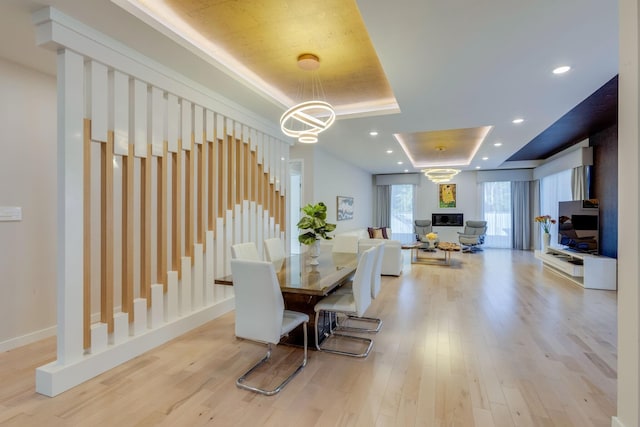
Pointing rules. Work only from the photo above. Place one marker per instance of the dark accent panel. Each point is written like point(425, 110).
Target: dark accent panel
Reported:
point(595, 114)
point(604, 187)
point(447, 220)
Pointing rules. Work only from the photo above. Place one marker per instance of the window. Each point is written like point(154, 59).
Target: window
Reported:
point(402, 197)
point(496, 209)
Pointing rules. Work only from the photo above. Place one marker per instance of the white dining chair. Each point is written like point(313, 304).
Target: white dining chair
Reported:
point(245, 251)
point(353, 304)
point(274, 251)
point(260, 314)
point(376, 281)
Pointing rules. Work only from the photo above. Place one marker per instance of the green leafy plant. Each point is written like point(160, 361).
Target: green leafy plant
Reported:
point(314, 224)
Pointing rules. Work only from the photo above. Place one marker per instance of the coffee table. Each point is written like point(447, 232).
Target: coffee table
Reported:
point(445, 247)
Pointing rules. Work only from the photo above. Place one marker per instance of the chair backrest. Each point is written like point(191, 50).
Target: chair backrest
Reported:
point(345, 243)
point(245, 251)
point(376, 271)
point(259, 302)
point(274, 251)
point(422, 226)
point(362, 281)
point(478, 228)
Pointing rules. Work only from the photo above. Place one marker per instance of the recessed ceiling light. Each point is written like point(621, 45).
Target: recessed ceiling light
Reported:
point(517, 121)
point(498, 144)
point(485, 158)
point(406, 170)
point(399, 163)
point(373, 133)
point(477, 167)
point(282, 158)
point(389, 151)
point(561, 70)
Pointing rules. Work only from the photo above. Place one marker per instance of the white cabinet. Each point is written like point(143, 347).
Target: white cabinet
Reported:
point(589, 271)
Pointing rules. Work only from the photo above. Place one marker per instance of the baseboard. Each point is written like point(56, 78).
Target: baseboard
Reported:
point(54, 378)
point(615, 422)
point(27, 339)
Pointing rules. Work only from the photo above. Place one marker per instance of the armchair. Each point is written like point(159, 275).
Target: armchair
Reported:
point(422, 227)
point(473, 236)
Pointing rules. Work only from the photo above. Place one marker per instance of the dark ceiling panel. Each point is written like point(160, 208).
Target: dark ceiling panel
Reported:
point(596, 113)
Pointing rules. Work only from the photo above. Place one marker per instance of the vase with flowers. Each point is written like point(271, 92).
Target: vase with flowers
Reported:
point(545, 221)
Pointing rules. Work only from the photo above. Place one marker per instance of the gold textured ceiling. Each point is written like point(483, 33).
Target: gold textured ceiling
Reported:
point(267, 36)
point(455, 147)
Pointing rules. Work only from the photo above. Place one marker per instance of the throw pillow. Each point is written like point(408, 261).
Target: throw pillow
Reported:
point(378, 233)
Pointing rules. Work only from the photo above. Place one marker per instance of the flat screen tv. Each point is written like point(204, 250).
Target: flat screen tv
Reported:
point(578, 225)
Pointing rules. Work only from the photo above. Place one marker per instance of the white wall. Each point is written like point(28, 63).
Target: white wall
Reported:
point(326, 177)
point(28, 180)
point(467, 203)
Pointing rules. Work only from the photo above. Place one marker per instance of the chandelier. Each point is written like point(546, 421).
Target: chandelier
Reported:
point(438, 175)
point(308, 118)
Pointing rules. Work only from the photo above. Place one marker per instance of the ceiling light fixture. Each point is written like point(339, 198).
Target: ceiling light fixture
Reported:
point(438, 175)
point(561, 70)
point(389, 151)
point(517, 121)
point(308, 118)
point(485, 158)
point(373, 133)
point(498, 144)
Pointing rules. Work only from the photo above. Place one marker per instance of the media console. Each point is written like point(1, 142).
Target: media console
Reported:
point(588, 271)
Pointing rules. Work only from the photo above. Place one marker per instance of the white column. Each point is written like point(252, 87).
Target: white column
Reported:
point(628, 219)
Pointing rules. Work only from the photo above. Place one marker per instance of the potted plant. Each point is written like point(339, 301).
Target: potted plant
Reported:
point(315, 227)
point(545, 221)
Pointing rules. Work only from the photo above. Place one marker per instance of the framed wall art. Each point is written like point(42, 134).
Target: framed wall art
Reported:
point(345, 208)
point(447, 195)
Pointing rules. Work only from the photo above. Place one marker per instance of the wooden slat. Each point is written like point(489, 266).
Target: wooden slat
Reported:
point(86, 236)
point(176, 210)
point(201, 214)
point(221, 178)
point(259, 185)
point(106, 232)
point(254, 177)
point(246, 172)
point(211, 185)
point(238, 171)
point(188, 199)
point(127, 232)
point(145, 225)
point(230, 173)
point(283, 214)
point(161, 234)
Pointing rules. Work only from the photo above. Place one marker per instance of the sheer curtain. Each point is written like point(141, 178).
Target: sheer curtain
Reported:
point(579, 176)
point(553, 189)
point(496, 210)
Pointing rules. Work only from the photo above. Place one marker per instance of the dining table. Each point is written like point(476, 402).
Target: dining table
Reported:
point(303, 285)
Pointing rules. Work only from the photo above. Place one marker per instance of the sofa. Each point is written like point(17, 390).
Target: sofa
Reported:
point(358, 241)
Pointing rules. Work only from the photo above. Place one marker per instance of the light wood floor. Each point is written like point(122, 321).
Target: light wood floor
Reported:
point(495, 340)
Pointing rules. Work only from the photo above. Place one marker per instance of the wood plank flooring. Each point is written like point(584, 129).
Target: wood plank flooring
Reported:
point(494, 340)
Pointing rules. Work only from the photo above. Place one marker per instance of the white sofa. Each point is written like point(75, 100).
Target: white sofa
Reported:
point(358, 241)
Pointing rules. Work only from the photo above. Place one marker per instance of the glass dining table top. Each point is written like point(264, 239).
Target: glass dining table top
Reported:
point(296, 275)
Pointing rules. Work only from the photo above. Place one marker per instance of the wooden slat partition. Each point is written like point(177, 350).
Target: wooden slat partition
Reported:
point(145, 226)
point(128, 178)
point(230, 174)
point(106, 232)
point(221, 178)
point(86, 236)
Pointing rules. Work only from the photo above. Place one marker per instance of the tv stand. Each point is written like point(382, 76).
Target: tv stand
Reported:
point(586, 270)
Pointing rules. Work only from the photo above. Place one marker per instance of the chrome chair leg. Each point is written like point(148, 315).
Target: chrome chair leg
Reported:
point(241, 382)
point(376, 322)
point(368, 341)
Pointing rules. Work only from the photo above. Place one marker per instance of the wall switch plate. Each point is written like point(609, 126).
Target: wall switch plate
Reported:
point(10, 213)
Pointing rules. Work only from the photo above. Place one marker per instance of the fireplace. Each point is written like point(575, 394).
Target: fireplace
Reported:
point(447, 220)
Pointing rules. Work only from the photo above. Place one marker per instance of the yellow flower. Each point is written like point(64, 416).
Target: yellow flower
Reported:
point(432, 236)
